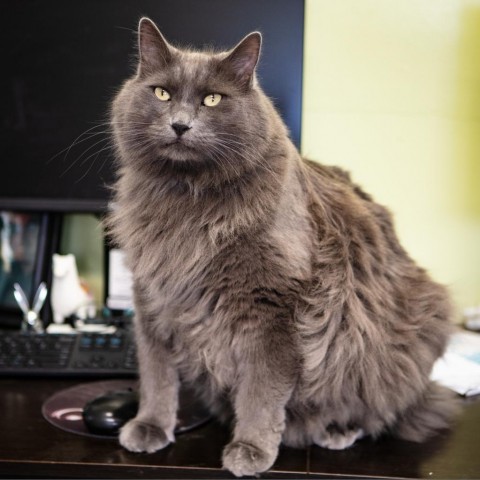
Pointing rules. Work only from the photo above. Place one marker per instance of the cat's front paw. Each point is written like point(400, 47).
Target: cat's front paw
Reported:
point(138, 436)
point(246, 459)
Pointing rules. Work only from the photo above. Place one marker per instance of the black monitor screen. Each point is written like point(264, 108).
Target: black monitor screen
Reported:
point(63, 61)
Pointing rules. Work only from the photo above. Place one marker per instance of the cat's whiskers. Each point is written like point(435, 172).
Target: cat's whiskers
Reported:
point(89, 134)
point(106, 139)
point(251, 153)
point(233, 155)
point(107, 147)
point(220, 158)
point(226, 150)
point(246, 153)
point(242, 155)
point(84, 160)
point(75, 162)
point(77, 141)
point(219, 161)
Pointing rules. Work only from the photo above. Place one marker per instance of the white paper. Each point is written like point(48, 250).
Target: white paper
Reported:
point(120, 293)
point(459, 368)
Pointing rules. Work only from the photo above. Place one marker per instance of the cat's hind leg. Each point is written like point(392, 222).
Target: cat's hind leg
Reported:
point(335, 438)
point(304, 429)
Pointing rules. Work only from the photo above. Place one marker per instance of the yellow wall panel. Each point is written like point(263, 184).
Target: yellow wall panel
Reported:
point(392, 93)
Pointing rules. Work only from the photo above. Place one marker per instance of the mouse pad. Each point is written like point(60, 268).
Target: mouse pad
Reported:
point(64, 409)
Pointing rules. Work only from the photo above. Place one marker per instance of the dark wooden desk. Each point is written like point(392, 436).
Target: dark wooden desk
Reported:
point(31, 447)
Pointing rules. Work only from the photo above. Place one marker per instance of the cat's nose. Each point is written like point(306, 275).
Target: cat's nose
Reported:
point(180, 128)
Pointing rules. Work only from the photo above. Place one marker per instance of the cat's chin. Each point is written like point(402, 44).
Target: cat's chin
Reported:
point(179, 152)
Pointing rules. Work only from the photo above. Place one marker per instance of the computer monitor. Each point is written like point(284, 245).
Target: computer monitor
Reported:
point(64, 60)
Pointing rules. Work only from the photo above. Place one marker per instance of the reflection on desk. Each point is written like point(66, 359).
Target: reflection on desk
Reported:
point(31, 447)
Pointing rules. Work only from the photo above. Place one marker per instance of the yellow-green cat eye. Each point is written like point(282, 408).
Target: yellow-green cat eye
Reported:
point(162, 94)
point(212, 99)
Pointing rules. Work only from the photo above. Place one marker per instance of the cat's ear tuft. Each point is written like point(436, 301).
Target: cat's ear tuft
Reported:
point(242, 59)
point(155, 51)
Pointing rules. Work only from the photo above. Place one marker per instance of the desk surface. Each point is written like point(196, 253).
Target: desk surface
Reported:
point(31, 447)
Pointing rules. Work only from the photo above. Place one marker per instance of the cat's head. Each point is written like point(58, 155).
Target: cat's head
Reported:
point(192, 110)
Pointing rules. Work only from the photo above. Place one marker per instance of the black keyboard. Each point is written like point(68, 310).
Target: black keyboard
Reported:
point(81, 354)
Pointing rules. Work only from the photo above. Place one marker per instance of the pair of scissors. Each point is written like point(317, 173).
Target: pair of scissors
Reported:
point(31, 318)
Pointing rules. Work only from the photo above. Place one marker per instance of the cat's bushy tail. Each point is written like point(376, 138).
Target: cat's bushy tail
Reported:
point(435, 410)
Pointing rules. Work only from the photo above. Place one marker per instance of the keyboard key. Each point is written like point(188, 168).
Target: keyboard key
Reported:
point(100, 342)
point(86, 342)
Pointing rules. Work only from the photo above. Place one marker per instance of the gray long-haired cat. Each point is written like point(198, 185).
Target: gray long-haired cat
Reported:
point(274, 285)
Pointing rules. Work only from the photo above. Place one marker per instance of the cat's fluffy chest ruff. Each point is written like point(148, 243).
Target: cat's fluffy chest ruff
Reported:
point(239, 267)
point(204, 306)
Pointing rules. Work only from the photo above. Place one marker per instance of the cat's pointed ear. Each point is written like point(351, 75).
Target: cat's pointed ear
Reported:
point(155, 51)
point(242, 60)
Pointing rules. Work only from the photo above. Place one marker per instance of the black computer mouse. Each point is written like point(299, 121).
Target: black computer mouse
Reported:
point(105, 415)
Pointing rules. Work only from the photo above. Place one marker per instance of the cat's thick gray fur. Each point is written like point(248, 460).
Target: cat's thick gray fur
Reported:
point(274, 285)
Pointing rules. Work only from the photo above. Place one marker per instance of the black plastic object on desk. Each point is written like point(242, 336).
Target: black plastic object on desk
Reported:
point(70, 355)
